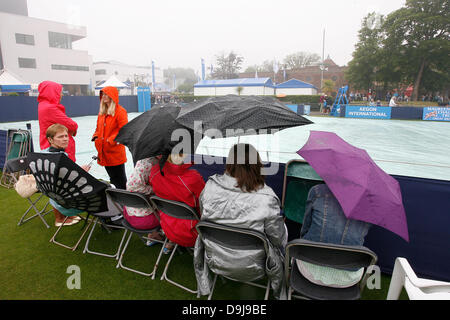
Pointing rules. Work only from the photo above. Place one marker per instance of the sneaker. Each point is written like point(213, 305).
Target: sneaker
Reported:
point(151, 243)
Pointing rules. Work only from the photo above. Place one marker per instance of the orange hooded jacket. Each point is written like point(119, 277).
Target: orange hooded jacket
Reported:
point(110, 153)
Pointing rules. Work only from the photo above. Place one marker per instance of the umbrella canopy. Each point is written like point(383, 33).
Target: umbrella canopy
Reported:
point(150, 134)
point(62, 180)
point(364, 191)
point(239, 112)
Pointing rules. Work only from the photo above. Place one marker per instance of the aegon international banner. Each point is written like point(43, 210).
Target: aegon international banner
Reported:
point(436, 114)
point(368, 112)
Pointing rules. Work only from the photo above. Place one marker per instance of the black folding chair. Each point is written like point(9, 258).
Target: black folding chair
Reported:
point(19, 166)
point(236, 239)
point(328, 255)
point(177, 210)
point(134, 200)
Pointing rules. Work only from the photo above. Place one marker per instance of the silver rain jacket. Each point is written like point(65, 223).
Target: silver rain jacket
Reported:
point(222, 202)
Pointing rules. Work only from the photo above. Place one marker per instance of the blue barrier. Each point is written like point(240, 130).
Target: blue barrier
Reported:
point(24, 108)
point(293, 107)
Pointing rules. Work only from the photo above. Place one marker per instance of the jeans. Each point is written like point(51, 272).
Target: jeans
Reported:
point(326, 222)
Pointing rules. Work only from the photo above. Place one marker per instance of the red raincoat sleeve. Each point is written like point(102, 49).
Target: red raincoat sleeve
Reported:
point(60, 117)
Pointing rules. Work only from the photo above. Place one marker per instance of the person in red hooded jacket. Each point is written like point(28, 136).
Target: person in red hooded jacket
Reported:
point(176, 181)
point(50, 111)
point(111, 154)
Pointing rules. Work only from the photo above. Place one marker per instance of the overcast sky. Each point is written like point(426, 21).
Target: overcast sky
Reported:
point(178, 33)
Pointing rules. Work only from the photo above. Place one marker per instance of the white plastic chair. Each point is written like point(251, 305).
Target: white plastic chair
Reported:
point(416, 288)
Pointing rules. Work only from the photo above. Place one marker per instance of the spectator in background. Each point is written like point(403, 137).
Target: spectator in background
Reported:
point(111, 154)
point(392, 102)
point(51, 111)
point(326, 222)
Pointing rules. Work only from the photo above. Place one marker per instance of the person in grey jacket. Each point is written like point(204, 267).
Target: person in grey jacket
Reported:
point(240, 198)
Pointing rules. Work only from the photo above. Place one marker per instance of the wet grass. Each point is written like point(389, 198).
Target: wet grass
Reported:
point(32, 268)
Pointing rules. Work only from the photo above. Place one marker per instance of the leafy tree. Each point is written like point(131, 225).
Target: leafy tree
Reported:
point(300, 59)
point(417, 46)
point(362, 69)
point(328, 87)
point(227, 66)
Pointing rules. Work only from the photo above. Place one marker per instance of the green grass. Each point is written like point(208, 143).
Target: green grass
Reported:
point(33, 268)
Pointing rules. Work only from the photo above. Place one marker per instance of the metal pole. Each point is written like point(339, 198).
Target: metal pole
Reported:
point(323, 57)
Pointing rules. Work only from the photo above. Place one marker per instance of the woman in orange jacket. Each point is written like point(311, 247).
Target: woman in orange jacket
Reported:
point(111, 154)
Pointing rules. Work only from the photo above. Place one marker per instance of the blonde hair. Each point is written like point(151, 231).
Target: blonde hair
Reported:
point(177, 159)
point(104, 109)
point(54, 129)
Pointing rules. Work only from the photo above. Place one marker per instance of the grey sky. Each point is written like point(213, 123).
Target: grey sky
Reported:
point(178, 33)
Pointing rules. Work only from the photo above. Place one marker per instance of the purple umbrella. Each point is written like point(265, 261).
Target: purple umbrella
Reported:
point(364, 191)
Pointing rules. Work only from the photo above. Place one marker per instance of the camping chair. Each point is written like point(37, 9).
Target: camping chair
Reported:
point(19, 145)
point(134, 200)
point(177, 210)
point(299, 178)
point(235, 239)
point(100, 218)
point(416, 288)
point(19, 165)
point(329, 255)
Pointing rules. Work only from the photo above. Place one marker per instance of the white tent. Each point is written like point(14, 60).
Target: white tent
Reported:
point(12, 83)
point(112, 82)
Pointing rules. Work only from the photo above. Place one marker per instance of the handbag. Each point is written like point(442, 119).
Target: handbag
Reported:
point(26, 186)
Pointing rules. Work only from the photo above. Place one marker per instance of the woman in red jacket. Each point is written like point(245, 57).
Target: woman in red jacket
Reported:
point(179, 183)
point(111, 154)
point(50, 111)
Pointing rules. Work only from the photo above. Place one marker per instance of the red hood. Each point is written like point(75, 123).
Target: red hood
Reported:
point(175, 169)
point(112, 92)
point(49, 91)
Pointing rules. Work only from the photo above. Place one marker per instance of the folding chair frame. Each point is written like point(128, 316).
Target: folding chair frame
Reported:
point(15, 166)
point(190, 212)
point(106, 226)
point(136, 200)
point(75, 246)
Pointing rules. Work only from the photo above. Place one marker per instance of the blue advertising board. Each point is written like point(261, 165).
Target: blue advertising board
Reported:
point(436, 114)
point(368, 112)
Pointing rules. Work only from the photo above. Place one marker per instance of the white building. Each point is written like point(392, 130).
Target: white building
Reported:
point(242, 86)
point(295, 87)
point(103, 70)
point(39, 50)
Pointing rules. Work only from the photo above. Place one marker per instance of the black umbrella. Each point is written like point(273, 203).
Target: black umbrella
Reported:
point(239, 112)
point(62, 180)
point(150, 134)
